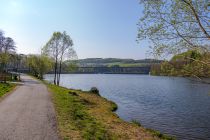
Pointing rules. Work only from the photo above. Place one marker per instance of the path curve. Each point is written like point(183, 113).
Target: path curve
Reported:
point(28, 113)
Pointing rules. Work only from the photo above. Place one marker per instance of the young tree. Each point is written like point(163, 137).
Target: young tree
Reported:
point(60, 48)
point(1, 40)
point(70, 66)
point(7, 47)
point(39, 64)
point(44, 65)
point(175, 25)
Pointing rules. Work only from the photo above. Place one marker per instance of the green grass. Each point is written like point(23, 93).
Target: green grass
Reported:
point(160, 135)
point(136, 122)
point(127, 64)
point(5, 88)
point(73, 117)
point(86, 116)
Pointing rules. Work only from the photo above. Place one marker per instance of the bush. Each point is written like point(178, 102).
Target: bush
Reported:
point(114, 106)
point(73, 93)
point(94, 90)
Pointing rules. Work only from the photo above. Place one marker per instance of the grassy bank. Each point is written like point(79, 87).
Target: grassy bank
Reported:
point(84, 115)
point(5, 88)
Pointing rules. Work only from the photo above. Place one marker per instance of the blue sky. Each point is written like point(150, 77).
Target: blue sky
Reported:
point(99, 28)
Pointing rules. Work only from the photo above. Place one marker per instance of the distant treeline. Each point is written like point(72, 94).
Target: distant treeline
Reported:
point(187, 64)
point(110, 66)
point(109, 62)
point(110, 70)
point(89, 66)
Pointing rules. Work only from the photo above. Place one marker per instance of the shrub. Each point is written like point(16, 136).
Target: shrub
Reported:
point(94, 90)
point(73, 93)
point(114, 106)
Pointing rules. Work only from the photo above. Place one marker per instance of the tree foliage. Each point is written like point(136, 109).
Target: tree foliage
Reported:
point(185, 64)
point(59, 48)
point(39, 65)
point(7, 47)
point(174, 26)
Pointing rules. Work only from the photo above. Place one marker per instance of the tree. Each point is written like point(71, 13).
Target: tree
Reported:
point(181, 65)
point(1, 40)
point(7, 47)
point(70, 66)
point(60, 48)
point(174, 26)
point(39, 65)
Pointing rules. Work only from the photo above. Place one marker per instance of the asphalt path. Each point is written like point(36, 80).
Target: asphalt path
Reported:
point(27, 113)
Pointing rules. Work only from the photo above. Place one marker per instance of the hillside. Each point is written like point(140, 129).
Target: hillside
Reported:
point(109, 62)
point(111, 66)
point(187, 64)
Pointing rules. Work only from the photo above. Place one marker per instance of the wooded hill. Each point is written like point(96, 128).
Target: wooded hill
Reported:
point(110, 66)
point(187, 64)
point(109, 62)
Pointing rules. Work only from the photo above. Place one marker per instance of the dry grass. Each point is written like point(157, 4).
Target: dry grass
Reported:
point(102, 110)
point(83, 115)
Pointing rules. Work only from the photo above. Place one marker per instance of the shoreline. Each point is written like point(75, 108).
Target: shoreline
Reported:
point(101, 110)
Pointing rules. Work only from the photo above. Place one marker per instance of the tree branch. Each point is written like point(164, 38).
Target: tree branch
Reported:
point(197, 18)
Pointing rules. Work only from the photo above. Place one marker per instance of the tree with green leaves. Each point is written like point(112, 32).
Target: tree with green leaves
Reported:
point(1, 40)
point(39, 65)
point(181, 65)
point(174, 26)
point(59, 48)
point(7, 47)
point(70, 66)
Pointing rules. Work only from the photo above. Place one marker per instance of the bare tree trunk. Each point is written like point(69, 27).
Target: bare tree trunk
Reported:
point(4, 73)
point(60, 66)
point(57, 82)
point(59, 74)
point(55, 71)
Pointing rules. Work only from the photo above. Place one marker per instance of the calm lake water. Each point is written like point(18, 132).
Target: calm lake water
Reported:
point(175, 106)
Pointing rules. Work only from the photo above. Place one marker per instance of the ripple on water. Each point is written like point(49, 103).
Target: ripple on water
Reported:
point(172, 105)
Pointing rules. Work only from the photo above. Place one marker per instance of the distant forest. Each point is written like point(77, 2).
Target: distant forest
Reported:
point(111, 66)
point(109, 62)
point(192, 63)
point(92, 65)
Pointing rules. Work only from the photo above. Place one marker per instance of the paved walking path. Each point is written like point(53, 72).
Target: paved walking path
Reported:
point(28, 113)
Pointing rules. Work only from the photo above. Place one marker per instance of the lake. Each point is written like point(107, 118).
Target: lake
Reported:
point(175, 106)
